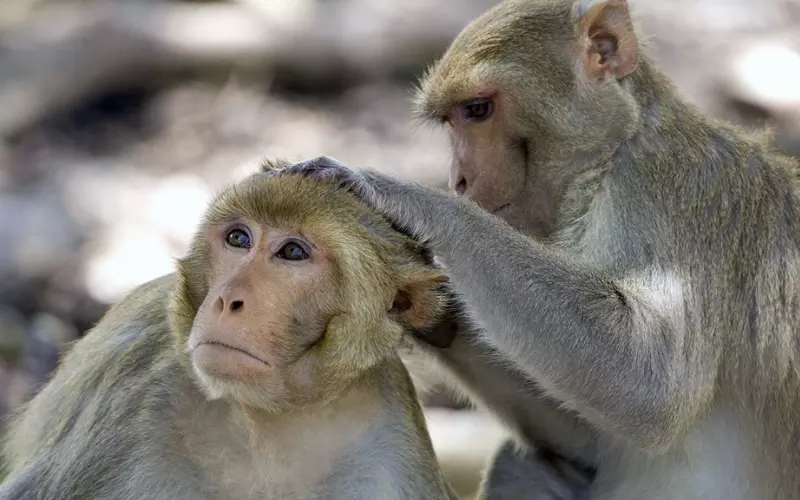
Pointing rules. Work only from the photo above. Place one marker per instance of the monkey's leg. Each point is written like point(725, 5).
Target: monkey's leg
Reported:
point(514, 474)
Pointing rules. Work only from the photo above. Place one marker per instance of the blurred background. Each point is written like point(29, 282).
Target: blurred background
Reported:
point(120, 118)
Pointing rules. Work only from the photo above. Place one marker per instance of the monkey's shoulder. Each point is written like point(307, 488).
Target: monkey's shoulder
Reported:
point(119, 380)
point(133, 333)
point(126, 354)
point(145, 305)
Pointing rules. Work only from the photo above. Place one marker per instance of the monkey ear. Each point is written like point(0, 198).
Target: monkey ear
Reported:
point(418, 300)
point(607, 38)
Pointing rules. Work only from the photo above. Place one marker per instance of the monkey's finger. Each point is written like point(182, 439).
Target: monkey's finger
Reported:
point(321, 166)
point(325, 167)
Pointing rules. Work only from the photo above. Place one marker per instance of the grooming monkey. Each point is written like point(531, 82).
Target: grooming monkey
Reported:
point(265, 368)
point(633, 265)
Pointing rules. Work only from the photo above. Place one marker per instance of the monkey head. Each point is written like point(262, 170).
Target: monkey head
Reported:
point(531, 91)
point(292, 288)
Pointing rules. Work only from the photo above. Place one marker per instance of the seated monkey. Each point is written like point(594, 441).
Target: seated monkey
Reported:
point(264, 368)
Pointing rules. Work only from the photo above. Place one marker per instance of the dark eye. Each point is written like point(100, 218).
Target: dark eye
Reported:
point(477, 109)
point(238, 238)
point(292, 251)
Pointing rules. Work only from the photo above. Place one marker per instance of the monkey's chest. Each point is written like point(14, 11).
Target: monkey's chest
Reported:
point(270, 475)
point(292, 466)
point(711, 463)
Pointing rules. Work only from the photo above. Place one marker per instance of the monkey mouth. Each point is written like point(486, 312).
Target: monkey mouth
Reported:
point(233, 348)
point(500, 209)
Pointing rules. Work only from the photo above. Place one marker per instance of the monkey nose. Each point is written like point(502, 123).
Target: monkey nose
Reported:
point(226, 305)
point(461, 186)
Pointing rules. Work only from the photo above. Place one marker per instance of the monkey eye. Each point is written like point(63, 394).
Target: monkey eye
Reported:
point(292, 250)
point(238, 238)
point(477, 109)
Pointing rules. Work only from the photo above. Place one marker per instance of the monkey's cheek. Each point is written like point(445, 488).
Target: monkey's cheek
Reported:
point(228, 364)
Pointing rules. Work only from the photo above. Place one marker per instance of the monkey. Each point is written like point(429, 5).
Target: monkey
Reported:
point(630, 265)
point(265, 367)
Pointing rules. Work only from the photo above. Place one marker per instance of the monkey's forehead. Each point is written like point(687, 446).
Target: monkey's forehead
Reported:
point(315, 206)
point(511, 28)
point(492, 50)
point(267, 198)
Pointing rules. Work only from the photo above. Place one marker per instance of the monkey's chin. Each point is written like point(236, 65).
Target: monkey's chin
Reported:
point(225, 362)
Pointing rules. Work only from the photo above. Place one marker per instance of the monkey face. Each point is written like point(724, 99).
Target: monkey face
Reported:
point(487, 167)
point(256, 333)
point(298, 300)
point(258, 275)
point(530, 92)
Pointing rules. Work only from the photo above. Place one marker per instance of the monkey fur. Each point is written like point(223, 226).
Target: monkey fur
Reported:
point(631, 266)
point(244, 375)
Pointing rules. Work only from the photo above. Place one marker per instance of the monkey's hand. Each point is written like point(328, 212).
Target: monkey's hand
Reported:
point(403, 203)
point(360, 182)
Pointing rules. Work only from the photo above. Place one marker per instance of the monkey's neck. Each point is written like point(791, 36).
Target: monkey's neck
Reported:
point(360, 401)
point(672, 130)
point(673, 145)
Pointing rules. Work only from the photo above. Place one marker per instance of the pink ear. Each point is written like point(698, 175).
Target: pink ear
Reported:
point(608, 40)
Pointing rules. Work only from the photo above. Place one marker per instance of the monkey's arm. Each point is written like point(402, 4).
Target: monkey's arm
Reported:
point(510, 394)
point(614, 351)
